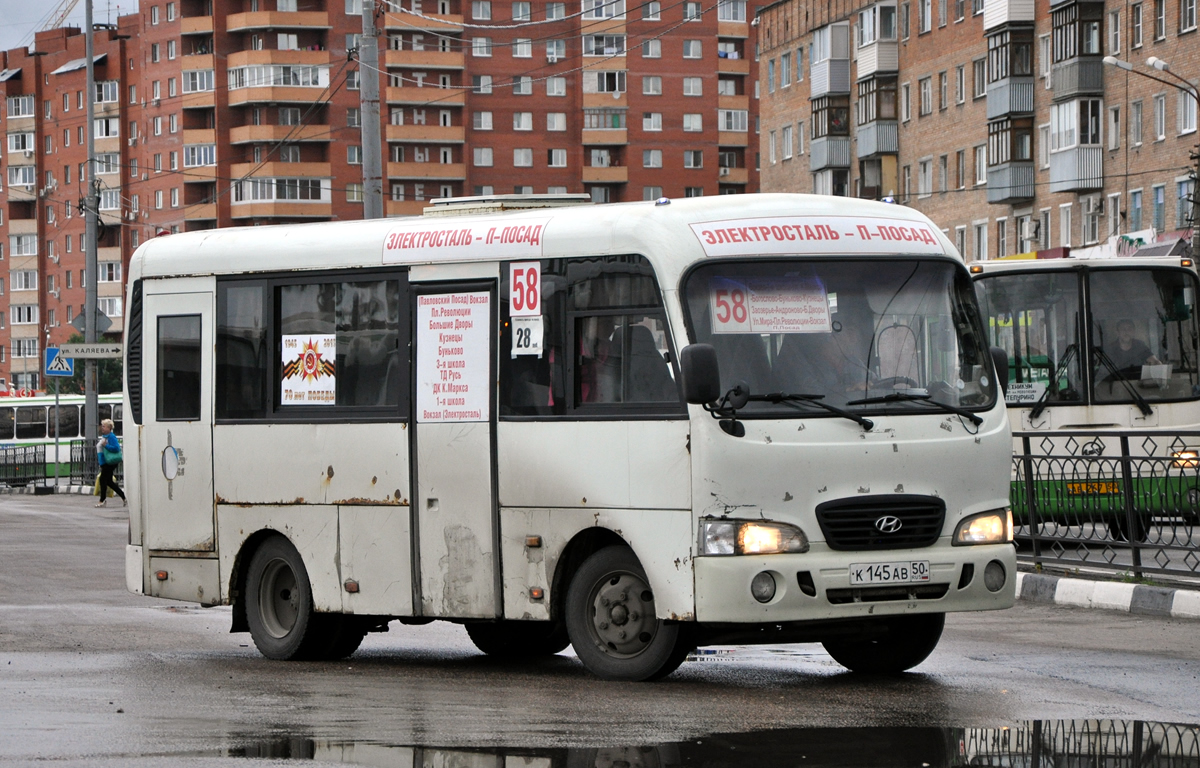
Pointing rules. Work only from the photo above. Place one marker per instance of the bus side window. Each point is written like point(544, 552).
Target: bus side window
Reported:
point(31, 422)
point(605, 338)
point(6, 424)
point(178, 368)
point(241, 381)
point(68, 421)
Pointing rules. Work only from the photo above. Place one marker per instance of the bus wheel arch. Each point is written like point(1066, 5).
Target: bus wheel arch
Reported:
point(241, 563)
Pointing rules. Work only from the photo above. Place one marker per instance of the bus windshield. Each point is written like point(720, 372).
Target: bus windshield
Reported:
point(1140, 325)
point(844, 331)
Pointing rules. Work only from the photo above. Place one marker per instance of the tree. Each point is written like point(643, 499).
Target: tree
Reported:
point(109, 374)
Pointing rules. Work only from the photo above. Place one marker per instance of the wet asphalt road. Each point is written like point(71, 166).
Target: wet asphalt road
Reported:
point(92, 675)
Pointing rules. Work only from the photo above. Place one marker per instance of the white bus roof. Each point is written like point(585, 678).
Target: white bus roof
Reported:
point(1067, 264)
point(672, 235)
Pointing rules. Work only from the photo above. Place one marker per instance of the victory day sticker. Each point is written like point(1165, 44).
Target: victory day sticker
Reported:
point(309, 369)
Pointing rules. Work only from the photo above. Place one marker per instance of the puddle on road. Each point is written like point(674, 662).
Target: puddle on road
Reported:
point(1035, 744)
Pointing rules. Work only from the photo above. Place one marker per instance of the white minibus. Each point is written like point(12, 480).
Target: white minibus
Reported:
point(635, 428)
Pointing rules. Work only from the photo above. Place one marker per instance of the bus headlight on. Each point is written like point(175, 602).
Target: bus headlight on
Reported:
point(750, 537)
point(1185, 459)
point(995, 527)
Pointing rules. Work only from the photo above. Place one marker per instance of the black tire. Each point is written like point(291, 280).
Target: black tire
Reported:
point(1117, 529)
point(279, 607)
point(611, 621)
point(908, 641)
point(343, 635)
point(518, 639)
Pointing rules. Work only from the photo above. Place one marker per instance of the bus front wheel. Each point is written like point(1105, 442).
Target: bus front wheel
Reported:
point(279, 607)
point(612, 624)
point(907, 641)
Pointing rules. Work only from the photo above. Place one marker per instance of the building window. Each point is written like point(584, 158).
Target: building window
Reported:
point(651, 121)
point(1135, 25)
point(1135, 210)
point(1185, 111)
point(1158, 198)
point(652, 158)
point(693, 158)
point(876, 100)
point(981, 164)
point(785, 139)
point(981, 246)
point(905, 103)
point(693, 122)
point(925, 178)
point(556, 86)
point(736, 120)
point(979, 78)
point(1160, 20)
point(1160, 117)
point(652, 49)
point(1010, 140)
point(1183, 203)
point(652, 86)
point(925, 90)
point(481, 46)
point(830, 116)
point(523, 157)
point(692, 49)
point(693, 86)
point(520, 11)
point(1001, 238)
point(483, 157)
point(1010, 54)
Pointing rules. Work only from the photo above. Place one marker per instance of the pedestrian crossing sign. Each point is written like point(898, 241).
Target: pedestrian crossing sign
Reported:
point(57, 365)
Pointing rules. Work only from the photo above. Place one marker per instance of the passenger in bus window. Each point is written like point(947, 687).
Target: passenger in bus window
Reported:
point(824, 363)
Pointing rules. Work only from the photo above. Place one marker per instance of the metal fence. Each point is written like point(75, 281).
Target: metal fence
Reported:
point(1083, 744)
point(22, 465)
point(1119, 501)
point(85, 466)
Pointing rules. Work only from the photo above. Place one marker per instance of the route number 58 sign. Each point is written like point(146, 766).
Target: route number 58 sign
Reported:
point(525, 294)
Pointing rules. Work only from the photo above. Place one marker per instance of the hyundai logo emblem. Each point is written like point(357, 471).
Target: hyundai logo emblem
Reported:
point(889, 524)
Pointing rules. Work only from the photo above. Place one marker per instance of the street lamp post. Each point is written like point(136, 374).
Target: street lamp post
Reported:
point(1191, 90)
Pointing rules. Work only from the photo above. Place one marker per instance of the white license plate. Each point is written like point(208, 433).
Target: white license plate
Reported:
point(889, 573)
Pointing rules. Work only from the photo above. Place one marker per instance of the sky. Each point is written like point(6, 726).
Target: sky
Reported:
point(19, 19)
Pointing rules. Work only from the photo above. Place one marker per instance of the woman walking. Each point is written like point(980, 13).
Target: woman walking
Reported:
point(108, 452)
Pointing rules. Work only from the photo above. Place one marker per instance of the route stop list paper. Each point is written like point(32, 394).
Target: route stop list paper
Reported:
point(452, 357)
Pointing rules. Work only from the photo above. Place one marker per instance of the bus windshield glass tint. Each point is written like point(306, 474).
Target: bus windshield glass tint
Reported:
point(845, 330)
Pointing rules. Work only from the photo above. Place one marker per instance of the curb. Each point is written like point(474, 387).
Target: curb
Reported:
point(82, 490)
point(1108, 595)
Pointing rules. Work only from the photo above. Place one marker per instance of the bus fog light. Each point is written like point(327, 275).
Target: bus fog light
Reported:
point(993, 527)
point(1185, 459)
point(994, 576)
point(763, 587)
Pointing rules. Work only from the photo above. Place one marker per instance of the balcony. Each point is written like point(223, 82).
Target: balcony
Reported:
point(440, 134)
point(733, 138)
point(997, 13)
point(200, 211)
point(199, 100)
point(112, 253)
point(1079, 169)
point(613, 174)
point(733, 66)
point(1010, 96)
point(22, 226)
point(196, 25)
point(829, 152)
point(733, 175)
point(878, 137)
point(258, 134)
point(605, 100)
point(438, 97)
point(200, 174)
point(405, 207)
point(282, 210)
point(258, 20)
point(301, 58)
point(733, 29)
point(879, 56)
point(604, 137)
point(431, 59)
point(280, 170)
point(438, 22)
point(1010, 182)
point(829, 76)
point(439, 171)
point(1081, 76)
point(278, 94)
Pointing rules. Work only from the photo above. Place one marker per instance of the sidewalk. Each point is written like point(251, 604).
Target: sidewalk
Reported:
point(1178, 603)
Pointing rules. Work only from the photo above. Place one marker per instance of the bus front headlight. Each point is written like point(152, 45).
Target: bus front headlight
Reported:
point(1185, 459)
point(994, 527)
point(751, 537)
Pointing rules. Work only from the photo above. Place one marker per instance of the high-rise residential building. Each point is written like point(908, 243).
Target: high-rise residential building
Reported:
point(215, 113)
point(1000, 119)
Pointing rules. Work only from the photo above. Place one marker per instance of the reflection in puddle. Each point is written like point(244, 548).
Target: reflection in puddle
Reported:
point(1036, 744)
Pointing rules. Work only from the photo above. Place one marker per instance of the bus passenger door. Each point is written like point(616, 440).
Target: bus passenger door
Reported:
point(177, 486)
point(454, 434)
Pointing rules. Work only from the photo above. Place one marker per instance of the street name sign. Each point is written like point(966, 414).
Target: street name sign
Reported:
point(91, 351)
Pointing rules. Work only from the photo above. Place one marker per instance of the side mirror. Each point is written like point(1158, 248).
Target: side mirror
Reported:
point(1000, 362)
point(701, 374)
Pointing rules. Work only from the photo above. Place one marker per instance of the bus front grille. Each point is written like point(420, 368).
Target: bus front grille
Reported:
point(886, 594)
point(881, 522)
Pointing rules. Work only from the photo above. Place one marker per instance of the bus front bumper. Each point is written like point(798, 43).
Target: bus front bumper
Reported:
point(819, 585)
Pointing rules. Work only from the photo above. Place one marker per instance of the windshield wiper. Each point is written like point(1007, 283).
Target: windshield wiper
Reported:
point(1142, 405)
point(1059, 370)
point(906, 397)
point(794, 401)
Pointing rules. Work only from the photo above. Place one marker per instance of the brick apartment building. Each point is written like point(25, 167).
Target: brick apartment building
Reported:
point(216, 113)
point(996, 118)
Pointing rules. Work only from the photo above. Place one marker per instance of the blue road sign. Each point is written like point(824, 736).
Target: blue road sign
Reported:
point(57, 365)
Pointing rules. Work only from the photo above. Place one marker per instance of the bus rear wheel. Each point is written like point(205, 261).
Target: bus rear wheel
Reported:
point(516, 639)
point(279, 606)
point(612, 624)
point(907, 642)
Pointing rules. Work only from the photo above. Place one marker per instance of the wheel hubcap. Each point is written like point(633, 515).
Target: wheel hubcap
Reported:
point(278, 599)
point(623, 621)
